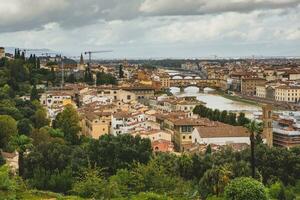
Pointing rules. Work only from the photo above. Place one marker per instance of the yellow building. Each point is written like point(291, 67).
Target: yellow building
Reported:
point(287, 93)
point(96, 124)
point(261, 91)
point(2, 52)
point(165, 81)
point(248, 85)
point(182, 129)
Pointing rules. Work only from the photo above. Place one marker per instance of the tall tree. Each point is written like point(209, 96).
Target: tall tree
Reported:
point(88, 76)
point(8, 129)
point(38, 63)
point(68, 122)
point(21, 143)
point(34, 95)
point(242, 120)
point(40, 118)
point(253, 128)
point(121, 72)
point(25, 126)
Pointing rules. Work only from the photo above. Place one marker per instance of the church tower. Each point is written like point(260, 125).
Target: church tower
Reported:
point(81, 63)
point(267, 121)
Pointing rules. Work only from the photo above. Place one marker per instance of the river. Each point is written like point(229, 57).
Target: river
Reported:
point(215, 101)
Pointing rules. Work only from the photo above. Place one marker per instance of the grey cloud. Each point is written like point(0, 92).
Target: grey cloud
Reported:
point(20, 15)
point(202, 7)
point(32, 14)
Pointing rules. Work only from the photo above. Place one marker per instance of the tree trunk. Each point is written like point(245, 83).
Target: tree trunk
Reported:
point(20, 162)
point(252, 155)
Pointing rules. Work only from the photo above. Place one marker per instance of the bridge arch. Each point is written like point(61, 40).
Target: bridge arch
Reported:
point(177, 77)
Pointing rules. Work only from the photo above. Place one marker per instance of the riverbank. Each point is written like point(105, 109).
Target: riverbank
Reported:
point(237, 98)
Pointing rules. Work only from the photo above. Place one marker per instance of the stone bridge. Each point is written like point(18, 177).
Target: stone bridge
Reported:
point(184, 76)
point(200, 83)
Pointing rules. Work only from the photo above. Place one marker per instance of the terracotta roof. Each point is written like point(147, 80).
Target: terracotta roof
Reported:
point(222, 131)
point(121, 115)
point(288, 87)
point(253, 78)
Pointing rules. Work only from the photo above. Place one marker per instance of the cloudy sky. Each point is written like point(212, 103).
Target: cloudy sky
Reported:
point(154, 28)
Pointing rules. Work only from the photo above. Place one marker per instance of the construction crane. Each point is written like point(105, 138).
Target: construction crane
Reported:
point(29, 50)
point(92, 52)
point(48, 54)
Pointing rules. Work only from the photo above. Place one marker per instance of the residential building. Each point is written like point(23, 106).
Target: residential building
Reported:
point(164, 81)
point(142, 93)
point(155, 135)
point(56, 98)
point(2, 52)
point(221, 134)
point(183, 128)
point(162, 146)
point(287, 93)
point(286, 130)
point(248, 85)
point(260, 91)
point(95, 124)
point(126, 122)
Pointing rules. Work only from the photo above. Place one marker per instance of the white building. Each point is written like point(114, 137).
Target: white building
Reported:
point(124, 122)
point(55, 98)
point(220, 135)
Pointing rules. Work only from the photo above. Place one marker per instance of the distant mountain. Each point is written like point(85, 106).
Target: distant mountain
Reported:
point(31, 50)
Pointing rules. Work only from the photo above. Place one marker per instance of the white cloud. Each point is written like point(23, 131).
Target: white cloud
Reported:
point(151, 27)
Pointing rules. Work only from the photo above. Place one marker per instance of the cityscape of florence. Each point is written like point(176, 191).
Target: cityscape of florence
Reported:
point(150, 100)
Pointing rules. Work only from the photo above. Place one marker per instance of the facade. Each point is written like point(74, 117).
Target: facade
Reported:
point(124, 122)
point(96, 124)
point(2, 52)
point(221, 134)
point(182, 129)
point(261, 91)
point(142, 93)
point(248, 85)
point(156, 135)
point(287, 93)
point(109, 95)
point(165, 81)
point(55, 99)
point(162, 146)
point(286, 130)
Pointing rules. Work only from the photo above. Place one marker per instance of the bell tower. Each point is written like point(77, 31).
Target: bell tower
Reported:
point(81, 63)
point(267, 121)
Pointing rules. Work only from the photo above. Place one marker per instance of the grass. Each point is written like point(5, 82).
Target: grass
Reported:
point(237, 98)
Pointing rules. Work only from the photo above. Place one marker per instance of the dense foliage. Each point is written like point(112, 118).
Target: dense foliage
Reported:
point(224, 116)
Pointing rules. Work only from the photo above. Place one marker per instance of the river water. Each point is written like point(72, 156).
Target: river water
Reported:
point(215, 101)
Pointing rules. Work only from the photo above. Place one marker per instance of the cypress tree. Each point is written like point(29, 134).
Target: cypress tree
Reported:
point(34, 95)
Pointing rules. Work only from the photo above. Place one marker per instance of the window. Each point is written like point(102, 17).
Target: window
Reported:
point(128, 97)
point(190, 137)
point(183, 137)
point(185, 129)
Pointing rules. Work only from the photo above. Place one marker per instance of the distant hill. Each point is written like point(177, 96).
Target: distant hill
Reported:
point(30, 50)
